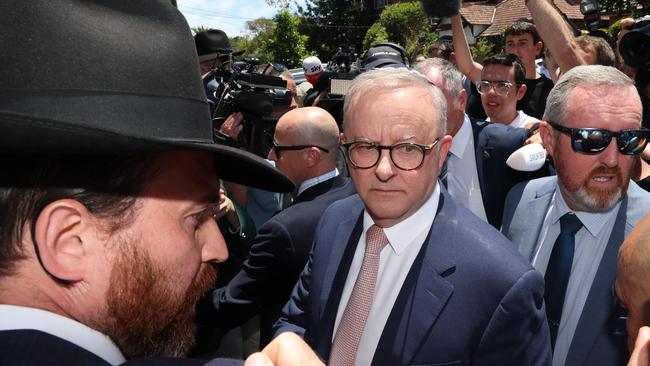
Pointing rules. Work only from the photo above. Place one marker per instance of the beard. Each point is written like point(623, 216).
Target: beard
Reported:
point(589, 198)
point(147, 314)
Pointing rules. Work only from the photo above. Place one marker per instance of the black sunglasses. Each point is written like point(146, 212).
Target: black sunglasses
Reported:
point(596, 140)
point(279, 148)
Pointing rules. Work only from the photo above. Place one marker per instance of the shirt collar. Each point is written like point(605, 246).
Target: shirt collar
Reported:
point(315, 180)
point(593, 221)
point(19, 317)
point(401, 235)
point(461, 139)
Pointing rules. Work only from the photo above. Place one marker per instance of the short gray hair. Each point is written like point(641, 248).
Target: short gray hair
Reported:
point(589, 76)
point(390, 79)
point(452, 78)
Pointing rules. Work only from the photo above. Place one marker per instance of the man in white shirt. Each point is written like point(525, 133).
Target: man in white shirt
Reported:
point(570, 226)
point(401, 273)
point(501, 87)
point(476, 174)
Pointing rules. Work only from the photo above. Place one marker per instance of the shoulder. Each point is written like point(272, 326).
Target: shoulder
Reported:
point(532, 188)
point(638, 203)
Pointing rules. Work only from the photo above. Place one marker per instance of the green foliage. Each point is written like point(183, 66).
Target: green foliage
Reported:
point(200, 29)
point(258, 37)
point(376, 34)
point(333, 23)
point(287, 45)
point(280, 4)
point(404, 24)
point(482, 49)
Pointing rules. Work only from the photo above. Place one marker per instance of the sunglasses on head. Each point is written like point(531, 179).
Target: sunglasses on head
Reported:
point(596, 140)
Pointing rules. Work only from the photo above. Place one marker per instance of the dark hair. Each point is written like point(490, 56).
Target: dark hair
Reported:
point(604, 52)
point(508, 59)
point(520, 27)
point(445, 47)
point(107, 186)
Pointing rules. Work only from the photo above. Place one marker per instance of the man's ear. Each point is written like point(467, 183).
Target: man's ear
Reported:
point(445, 145)
point(539, 46)
point(313, 156)
point(63, 232)
point(521, 91)
point(462, 98)
point(546, 132)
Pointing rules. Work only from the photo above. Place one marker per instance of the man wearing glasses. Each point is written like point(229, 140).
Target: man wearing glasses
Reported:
point(571, 226)
point(501, 87)
point(305, 145)
point(402, 273)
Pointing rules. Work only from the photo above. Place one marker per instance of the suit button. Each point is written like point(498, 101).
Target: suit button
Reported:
point(486, 154)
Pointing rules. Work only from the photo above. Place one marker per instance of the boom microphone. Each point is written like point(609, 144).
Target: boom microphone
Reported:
point(440, 8)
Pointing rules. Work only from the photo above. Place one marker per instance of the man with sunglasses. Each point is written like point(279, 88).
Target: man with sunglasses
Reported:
point(305, 145)
point(570, 226)
point(402, 273)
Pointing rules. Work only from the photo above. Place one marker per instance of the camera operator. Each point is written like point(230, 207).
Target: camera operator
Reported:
point(215, 53)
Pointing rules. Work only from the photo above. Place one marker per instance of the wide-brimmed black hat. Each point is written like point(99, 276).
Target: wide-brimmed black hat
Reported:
point(213, 43)
point(109, 77)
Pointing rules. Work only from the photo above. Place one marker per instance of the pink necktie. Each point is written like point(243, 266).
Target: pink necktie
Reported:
point(353, 321)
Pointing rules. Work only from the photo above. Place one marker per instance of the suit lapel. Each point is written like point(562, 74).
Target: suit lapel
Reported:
point(600, 305)
point(424, 292)
point(529, 231)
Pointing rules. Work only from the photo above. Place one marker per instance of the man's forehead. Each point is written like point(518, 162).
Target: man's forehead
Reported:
point(519, 37)
point(489, 72)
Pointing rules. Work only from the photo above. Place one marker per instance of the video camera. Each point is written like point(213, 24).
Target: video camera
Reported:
point(334, 83)
point(635, 49)
point(237, 87)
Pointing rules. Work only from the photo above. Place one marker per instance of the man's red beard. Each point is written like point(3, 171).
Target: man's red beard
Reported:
point(592, 199)
point(148, 315)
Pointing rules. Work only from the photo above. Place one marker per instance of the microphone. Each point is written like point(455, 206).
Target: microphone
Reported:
point(440, 8)
point(527, 158)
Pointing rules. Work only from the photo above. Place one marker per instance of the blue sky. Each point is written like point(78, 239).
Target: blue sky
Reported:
point(227, 15)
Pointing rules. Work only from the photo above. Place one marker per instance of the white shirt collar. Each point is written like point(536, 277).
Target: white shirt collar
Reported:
point(462, 138)
point(521, 120)
point(593, 221)
point(19, 317)
point(315, 180)
point(401, 234)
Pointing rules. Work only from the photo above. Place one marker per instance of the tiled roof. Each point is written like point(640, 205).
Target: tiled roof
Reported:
point(481, 14)
point(507, 11)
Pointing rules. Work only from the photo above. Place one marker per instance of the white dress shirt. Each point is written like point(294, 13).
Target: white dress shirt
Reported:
point(462, 174)
point(405, 240)
point(20, 317)
point(590, 243)
point(521, 120)
point(315, 180)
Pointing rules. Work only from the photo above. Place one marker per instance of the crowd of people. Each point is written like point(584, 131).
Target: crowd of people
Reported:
point(148, 215)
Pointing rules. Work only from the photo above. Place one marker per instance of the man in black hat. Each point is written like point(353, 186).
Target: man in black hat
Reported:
point(213, 48)
point(108, 190)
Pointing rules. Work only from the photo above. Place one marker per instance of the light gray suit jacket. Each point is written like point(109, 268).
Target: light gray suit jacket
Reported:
point(599, 338)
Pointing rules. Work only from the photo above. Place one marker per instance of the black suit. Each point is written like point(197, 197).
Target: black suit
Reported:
point(276, 259)
point(26, 347)
point(493, 144)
